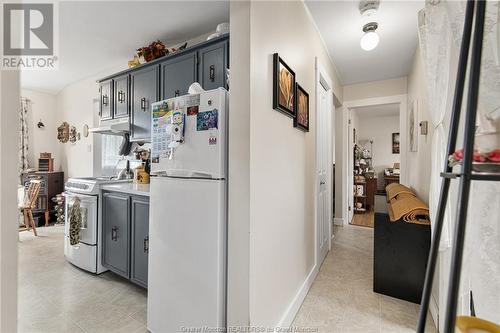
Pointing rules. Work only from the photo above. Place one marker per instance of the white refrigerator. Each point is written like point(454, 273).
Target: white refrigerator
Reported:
point(187, 232)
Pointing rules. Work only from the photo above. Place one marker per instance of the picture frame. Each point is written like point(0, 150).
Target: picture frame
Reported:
point(301, 119)
point(283, 87)
point(413, 125)
point(395, 143)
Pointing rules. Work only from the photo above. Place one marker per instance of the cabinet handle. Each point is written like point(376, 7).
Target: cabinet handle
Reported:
point(146, 244)
point(105, 100)
point(114, 234)
point(121, 96)
point(177, 93)
point(212, 73)
point(143, 104)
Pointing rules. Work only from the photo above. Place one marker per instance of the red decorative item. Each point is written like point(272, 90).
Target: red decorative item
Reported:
point(458, 155)
point(153, 51)
point(494, 156)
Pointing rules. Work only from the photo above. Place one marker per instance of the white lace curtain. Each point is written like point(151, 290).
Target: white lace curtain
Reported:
point(440, 37)
point(23, 135)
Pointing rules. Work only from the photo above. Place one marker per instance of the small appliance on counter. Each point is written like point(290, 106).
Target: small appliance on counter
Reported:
point(187, 231)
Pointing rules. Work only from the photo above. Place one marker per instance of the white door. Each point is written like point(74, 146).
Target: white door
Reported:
point(350, 169)
point(323, 177)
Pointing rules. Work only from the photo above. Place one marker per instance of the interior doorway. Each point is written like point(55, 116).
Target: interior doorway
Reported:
point(375, 155)
point(376, 159)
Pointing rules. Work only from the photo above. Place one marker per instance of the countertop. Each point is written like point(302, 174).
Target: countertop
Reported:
point(129, 188)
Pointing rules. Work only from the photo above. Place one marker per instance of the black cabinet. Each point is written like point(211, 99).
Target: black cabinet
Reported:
point(116, 235)
point(125, 236)
point(140, 241)
point(144, 91)
point(106, 92)
point(213, 64)
point(177, 74)
point(121, 96)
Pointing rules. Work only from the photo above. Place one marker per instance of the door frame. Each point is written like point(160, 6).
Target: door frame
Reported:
point(347, 168)
point(322, 78)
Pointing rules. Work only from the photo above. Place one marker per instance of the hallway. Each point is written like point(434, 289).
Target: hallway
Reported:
point(341, 298)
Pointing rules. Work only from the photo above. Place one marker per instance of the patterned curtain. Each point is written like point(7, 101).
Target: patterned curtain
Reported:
point(23, 136)
point(440, 37)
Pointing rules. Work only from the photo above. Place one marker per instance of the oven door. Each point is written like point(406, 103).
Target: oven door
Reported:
point(88, 208)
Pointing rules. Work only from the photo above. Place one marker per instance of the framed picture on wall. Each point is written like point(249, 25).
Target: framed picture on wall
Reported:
point(301, 119)
point(395, 143)
point(283, 87)
point(413, 125)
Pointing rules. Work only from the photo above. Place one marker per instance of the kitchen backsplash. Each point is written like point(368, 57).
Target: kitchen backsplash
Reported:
point(112, 163)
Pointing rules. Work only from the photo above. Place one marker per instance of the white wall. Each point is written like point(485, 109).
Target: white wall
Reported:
point(238, 310)
point(374, 89)
point(379, 129)
point(419, 162)
point(75, 104)
point(282, 163)
point(43, 108)
point(9, 129)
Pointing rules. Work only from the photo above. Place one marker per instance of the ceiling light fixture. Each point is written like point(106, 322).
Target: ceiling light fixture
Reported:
point(368, 8)
point(370, 39)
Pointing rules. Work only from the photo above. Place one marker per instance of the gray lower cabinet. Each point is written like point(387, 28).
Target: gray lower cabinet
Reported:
point(177, 74)
point(126, 236)
point(116, 235)
point(145, 90)
point(140, 241)
point(213, 64)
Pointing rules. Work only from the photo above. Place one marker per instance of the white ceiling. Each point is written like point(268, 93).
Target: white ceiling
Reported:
point(383, 110)
point(340, 25)
point(97, 36)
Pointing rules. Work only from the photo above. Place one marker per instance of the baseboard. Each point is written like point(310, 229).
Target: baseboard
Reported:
point(292, 309)
point(338, 221)
point(434, 310)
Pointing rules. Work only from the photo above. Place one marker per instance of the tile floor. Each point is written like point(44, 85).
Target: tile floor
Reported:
point(55, 296)
point(341, 298)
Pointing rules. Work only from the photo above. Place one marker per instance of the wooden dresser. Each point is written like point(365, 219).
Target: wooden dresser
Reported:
point(52, 183)
point(371, 189)
point(390, 179)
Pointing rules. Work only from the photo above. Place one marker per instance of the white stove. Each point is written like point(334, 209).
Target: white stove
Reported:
point(87, 253)
point(90, 185)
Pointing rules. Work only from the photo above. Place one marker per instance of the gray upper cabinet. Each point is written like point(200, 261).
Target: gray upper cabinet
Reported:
point(144, 88)
point(132, 91)
point(116, 235)
point(140, 241)
point(213, 64)
point(121, 96)
point(106, 92)
point(177, 74)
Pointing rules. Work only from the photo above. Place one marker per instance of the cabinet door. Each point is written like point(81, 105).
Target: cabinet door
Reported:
point(177, 75)
point(116, 239)
point(145, 90)
point(121, 96)
point(140, 241)
point(213, 64)
point(105, 106)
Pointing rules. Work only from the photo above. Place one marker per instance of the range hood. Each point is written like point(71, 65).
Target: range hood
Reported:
point(112, 127)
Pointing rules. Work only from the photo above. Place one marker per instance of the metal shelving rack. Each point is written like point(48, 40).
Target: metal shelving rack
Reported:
point(474, 17)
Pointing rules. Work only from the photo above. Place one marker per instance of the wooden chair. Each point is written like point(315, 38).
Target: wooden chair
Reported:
point(29, 203)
